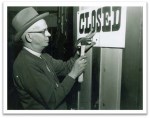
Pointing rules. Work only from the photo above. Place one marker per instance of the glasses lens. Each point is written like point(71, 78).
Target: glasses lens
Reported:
point(43, 32)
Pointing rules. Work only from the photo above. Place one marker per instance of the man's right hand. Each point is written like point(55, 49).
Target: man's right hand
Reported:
point(78, 67)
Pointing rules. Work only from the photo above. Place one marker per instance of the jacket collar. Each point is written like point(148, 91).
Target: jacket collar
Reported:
point(32, 52)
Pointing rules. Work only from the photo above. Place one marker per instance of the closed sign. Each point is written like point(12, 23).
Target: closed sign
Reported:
point(109, 23)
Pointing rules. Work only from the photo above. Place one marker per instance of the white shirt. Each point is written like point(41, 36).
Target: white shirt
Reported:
point(33, 52)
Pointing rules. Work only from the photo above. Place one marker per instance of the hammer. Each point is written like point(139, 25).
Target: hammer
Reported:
point(84, 41)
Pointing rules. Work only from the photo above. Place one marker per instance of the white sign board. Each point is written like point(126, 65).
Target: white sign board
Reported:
point(108, 22)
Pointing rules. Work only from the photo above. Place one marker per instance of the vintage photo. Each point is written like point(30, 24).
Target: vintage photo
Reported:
point(75, 58)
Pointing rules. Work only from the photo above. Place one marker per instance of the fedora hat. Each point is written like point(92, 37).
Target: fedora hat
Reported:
point(24, 19)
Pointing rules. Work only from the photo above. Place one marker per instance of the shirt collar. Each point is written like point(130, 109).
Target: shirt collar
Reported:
point(32, 52)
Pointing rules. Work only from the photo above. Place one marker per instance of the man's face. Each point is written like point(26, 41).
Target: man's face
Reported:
point(39, 34)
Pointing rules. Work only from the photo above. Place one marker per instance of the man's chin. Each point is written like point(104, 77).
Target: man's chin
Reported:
point(47, 43)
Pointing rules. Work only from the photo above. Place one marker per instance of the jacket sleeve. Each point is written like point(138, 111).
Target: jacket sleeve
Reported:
point(40, 87)
point(62, 68)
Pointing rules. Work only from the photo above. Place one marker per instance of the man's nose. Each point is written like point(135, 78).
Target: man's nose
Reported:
point(47, 33)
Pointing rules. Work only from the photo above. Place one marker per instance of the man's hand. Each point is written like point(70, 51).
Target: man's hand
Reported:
point(86, 41)
point(79, 67)
point(87, 48)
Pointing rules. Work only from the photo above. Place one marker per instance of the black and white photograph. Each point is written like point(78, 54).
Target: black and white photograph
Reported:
point(74, 58)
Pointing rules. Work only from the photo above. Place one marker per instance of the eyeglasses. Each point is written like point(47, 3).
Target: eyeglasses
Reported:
point(43, 31)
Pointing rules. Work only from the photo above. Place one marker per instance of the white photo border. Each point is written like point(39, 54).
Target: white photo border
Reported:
point(75, 3)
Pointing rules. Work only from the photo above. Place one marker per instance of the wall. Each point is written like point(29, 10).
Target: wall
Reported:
point(132, 69)
point(110, 78)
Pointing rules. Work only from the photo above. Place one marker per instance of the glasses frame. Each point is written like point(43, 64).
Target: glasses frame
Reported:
point(43, 31)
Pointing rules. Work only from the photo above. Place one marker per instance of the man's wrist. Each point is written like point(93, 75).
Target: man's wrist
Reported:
point(72, 75)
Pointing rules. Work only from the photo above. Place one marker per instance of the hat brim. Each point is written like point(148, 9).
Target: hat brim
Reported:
point(26, 26)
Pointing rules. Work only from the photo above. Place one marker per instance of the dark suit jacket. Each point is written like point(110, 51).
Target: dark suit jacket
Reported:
point(38, 85)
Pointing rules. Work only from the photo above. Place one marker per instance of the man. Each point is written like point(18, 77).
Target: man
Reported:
point(35, 74)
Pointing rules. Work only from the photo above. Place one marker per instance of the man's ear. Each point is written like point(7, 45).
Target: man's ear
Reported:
point(28, 38)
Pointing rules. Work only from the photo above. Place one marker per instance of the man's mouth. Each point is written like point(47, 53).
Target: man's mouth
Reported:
point(47, 39)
